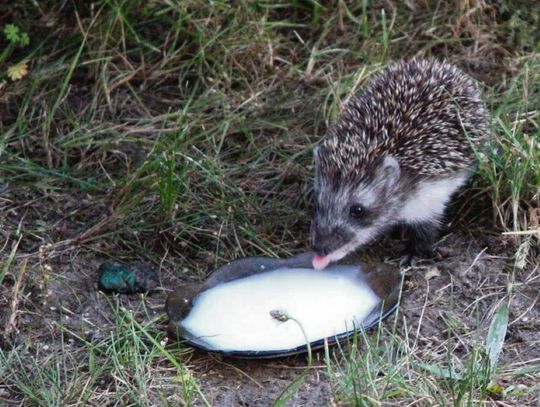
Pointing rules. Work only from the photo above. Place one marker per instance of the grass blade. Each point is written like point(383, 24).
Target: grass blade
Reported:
point(496, 334)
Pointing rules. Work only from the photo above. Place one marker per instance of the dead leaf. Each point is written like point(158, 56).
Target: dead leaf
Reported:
point(17, 72)
point(432, 273)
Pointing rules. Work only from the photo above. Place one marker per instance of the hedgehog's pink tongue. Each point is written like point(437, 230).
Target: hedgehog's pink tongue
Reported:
point(320, 262)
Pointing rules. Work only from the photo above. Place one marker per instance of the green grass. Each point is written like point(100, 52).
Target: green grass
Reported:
point(181, 133)
point(123, 361)
point(512, 164)
point(386, 367)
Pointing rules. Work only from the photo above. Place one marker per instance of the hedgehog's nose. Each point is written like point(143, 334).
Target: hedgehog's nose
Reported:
point(322, 242)
point(320, 249)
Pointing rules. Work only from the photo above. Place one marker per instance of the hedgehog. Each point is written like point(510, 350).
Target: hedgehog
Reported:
point(398, 152)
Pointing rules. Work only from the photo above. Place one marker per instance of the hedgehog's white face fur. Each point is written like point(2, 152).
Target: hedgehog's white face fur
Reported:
point(350, 215)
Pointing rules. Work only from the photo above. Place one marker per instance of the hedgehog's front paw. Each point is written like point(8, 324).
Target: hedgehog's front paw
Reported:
point(408, 260)
point(413, 258)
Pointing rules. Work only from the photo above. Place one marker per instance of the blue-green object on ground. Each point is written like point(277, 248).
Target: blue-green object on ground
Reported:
point(136, 278)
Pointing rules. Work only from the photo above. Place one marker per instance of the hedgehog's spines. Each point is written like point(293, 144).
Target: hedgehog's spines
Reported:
point(417, 111)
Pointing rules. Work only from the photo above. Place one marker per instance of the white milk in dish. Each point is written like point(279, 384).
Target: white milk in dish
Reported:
point(237, 315)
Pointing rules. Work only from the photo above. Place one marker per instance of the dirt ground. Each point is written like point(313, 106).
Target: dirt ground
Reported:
point(463, 287)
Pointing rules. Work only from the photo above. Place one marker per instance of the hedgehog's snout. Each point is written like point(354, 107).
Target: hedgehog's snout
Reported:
point(320, 248)
point(326, 241)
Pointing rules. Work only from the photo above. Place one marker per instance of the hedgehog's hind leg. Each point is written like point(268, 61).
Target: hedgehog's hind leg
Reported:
point(420, 239)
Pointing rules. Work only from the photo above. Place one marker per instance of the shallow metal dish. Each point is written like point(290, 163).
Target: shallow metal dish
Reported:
point(383, 279)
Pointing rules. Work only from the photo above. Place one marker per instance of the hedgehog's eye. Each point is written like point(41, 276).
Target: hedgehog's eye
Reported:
point(357, 211)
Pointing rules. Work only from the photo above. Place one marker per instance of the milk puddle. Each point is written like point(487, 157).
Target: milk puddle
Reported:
point(237, 315)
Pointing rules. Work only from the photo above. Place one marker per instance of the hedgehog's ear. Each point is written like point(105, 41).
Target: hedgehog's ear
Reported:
point(388, 173)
